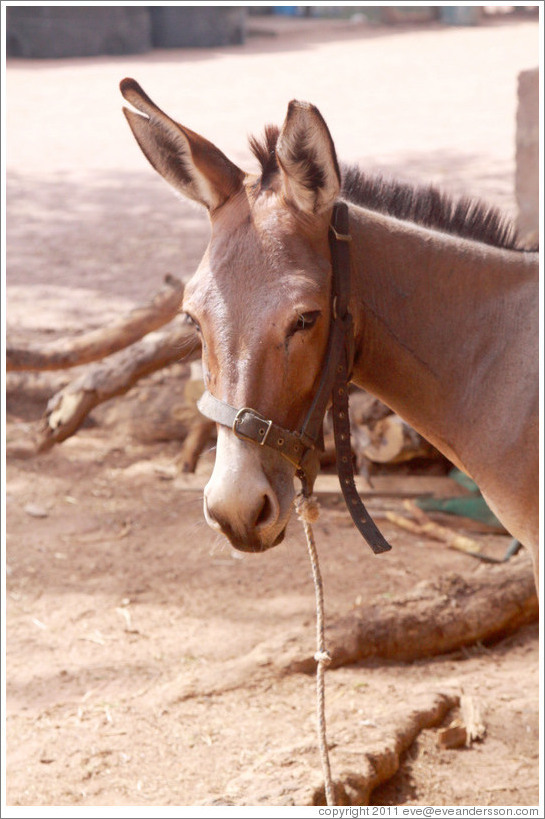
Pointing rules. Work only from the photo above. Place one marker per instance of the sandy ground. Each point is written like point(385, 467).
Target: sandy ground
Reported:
point(140, 646)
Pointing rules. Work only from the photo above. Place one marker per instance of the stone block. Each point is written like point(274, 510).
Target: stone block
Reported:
point(527, 156)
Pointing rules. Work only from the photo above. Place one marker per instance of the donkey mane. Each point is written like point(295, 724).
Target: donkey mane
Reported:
point(264, 150)
point(426, 205)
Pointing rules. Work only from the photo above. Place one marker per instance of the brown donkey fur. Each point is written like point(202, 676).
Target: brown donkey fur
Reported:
point(445, 308)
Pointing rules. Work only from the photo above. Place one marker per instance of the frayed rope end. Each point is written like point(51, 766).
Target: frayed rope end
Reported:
point(307, 508)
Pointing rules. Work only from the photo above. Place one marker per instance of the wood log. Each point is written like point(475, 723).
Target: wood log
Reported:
point(393, 441)
point(436, 617)
point(114, 376)
point(380, 436)
point(97, 344)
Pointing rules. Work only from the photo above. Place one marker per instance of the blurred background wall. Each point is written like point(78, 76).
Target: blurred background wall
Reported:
point(84, 31)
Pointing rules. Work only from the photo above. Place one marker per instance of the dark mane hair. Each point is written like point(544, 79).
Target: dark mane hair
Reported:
point(265, 152)
point(426, 205)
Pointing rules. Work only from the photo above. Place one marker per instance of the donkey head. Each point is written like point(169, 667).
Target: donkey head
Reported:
point(259, 298)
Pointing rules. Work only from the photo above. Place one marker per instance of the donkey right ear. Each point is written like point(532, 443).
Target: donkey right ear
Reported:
point(186, 160)
point(307, 159)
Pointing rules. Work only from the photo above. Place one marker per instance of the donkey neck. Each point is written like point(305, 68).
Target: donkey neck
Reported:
point(433, 315)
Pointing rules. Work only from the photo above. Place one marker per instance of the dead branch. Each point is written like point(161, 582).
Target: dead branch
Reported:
point(469, 727)
point(435, 618)
point(424, 526)
point(98, 344)
point(114, 376)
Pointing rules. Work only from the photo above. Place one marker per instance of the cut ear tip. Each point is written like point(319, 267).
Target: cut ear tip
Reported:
point(127, 84)
point(135, 94)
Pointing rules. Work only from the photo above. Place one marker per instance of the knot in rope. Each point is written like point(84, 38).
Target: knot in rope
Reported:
point(323, 657)
point(307, 509)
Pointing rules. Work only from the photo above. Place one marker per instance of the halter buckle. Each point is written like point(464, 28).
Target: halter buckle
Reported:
point(261, 435)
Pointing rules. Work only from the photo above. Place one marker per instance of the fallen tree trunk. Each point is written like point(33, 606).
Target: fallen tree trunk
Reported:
point(435, 618)
point(360, 762)
point(97, 344)
point(114, 376)
point(380, 763)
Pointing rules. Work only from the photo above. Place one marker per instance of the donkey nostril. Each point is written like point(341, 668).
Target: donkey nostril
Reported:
point(265, 513)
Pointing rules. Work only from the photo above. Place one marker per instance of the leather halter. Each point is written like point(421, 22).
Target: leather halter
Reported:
point(302, 448)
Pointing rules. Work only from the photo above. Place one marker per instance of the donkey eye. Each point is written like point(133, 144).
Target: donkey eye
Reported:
point(306, 320)
point(190, 321)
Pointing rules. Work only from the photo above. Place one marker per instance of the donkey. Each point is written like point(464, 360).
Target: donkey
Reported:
point(444, 304)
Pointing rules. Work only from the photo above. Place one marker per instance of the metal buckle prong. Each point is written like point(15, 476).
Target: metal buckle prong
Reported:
point(264, 439)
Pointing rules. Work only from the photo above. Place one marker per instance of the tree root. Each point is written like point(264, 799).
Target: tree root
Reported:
point(381, 763)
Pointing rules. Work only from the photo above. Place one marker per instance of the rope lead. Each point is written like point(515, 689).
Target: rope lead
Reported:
point(307, 511)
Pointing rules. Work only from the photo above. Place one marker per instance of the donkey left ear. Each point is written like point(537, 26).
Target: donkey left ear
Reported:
point(307, 159)
point(186, 160)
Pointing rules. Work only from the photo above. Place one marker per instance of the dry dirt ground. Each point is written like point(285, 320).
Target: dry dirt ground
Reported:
point(142, 651)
